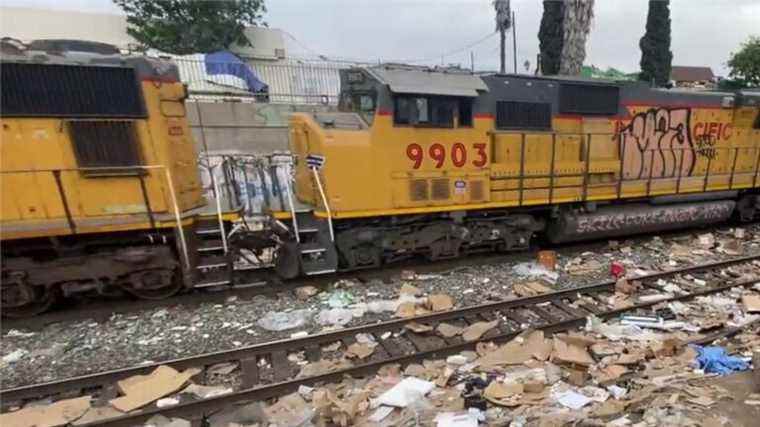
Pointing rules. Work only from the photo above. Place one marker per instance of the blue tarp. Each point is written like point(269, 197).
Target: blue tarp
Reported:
point(224, 62)
point(716, 360)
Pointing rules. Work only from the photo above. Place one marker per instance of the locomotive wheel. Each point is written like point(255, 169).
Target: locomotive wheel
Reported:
point(43, 299)
point(153, 284)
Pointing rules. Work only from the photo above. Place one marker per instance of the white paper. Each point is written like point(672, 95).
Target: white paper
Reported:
point(617, 391)
point(454, 419)
point(380, 413)
point(573, 400)
point(405, 392)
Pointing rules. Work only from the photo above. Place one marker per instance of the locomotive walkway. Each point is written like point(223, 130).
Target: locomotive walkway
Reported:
point(267, 372)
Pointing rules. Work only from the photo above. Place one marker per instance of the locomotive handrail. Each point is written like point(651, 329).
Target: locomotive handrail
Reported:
point(648, 156)
point(324, 202)
point(167, 174)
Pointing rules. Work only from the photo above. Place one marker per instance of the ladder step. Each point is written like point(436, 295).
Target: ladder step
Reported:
point(313, 251)
point(308, 230)
point(212, 262)
point(207, 231)
point(314, 273)
point(210, 284)
point(211, 245)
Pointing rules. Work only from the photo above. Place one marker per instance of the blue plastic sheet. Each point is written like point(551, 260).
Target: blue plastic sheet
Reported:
point(224, 62)
point(715, 360)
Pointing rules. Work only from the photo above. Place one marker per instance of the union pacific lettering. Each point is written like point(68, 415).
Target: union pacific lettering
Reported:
point(713, 130)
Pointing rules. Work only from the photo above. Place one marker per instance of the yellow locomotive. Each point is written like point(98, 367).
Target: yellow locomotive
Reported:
point(101, 187)
point(445, 162)
point(103, 191)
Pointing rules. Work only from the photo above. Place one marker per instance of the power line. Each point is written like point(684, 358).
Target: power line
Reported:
point(409, 61)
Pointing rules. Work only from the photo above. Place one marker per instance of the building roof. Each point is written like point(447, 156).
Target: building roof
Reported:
point(429, 81)
point(691, 74)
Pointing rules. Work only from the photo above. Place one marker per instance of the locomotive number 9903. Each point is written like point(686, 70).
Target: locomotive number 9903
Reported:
point(437, 153)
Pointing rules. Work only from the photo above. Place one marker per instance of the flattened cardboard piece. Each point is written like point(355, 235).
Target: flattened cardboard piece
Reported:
point(141, 390)
point(511, 353)
point(418, 327)
point(360, 350)
point(538, 346)
point(477, 330)
point(571, 353)
point(440, 302)
point(751, 303)
point(405, 310)
point(56, 414)
point(448, 331)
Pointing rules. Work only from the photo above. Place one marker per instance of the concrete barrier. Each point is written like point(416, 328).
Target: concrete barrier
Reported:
point(242, 126)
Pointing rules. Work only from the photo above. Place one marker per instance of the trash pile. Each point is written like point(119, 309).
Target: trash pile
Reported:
point(642, 370)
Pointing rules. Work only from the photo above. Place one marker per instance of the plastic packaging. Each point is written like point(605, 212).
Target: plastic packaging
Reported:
point(280, 321)
point(716, 360)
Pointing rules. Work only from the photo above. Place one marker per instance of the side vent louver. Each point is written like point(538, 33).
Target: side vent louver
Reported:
point(476, 190)
point(418, 190)
point(441, 189)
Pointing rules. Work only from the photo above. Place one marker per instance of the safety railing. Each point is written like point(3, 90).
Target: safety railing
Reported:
point(139, 172)
point(288, 82)
point(648, 159)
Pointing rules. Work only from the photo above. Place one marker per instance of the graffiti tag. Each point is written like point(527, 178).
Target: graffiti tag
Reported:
point(658, 143)
point(642, 219)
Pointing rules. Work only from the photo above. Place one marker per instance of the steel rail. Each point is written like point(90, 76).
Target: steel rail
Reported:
point(205, 407)
point(266, 391)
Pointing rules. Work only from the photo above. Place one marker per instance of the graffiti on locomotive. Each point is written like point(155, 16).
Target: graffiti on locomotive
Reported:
point(664, 143)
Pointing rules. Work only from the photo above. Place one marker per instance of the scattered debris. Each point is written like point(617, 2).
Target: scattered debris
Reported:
point(477, 330)
point(305, 292)
point(140, 390)
point(280, 321)
point(403, 393)
point(55, 414)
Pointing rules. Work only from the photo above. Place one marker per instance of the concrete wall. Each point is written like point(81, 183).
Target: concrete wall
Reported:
point(241, 126)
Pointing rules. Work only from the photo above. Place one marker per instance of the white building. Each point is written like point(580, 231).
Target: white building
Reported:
point(290, 80)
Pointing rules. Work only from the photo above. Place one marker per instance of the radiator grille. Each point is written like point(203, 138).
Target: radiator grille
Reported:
point(418, 190)
point(441, 189)
point(104, 143)
point(476, 190)
point(53, 90)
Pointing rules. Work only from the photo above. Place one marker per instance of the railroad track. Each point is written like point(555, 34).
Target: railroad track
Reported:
point(267, 372)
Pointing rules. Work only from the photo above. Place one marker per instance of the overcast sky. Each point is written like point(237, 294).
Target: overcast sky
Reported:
point(704, 32)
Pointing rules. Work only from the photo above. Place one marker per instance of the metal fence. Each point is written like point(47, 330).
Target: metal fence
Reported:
point(290, 82)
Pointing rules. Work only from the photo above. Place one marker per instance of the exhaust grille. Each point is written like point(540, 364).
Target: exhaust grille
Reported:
point(418, 190)
point(441, 189)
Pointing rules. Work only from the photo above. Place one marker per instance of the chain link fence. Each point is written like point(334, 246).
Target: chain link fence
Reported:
point(289, 81)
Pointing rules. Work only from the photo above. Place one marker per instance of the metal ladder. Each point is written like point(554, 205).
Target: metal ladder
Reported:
point(315, 236)
point(214, 267)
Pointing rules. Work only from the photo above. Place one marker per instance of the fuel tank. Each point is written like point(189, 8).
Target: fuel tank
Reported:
point(623, 220)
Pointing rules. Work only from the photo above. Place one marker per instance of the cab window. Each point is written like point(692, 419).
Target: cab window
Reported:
point(431, 111)
point(362, 103)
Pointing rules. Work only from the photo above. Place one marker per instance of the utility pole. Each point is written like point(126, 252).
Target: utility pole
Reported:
point(503, 22)
point(514, 40)
point(503, 50)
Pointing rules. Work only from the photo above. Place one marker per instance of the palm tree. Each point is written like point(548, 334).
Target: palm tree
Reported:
point(503, 23)
point(577, 25)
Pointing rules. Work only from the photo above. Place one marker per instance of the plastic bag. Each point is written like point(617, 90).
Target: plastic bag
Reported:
point(716, 360)
point(340, 298)
point(335, 316)
point(280, 321)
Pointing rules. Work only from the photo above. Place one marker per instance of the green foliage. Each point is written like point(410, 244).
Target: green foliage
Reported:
point(551, 36)
point(191, 26)
point(656, 57)
point(745, 64)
